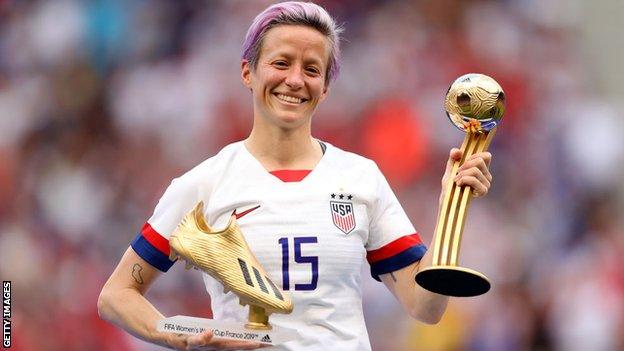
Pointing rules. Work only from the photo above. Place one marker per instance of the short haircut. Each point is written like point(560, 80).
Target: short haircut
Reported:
point(294, 13)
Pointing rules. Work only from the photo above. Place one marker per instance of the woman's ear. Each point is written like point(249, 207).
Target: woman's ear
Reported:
point(324, 93)
point(246, 73)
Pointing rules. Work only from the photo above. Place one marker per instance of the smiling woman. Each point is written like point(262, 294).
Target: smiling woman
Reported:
point(288, 81)
point(319, 212)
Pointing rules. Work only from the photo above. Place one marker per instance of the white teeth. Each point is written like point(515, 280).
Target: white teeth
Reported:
point(289, 98)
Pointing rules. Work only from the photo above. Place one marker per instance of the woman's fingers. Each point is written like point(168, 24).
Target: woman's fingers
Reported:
point(474, 172)
point(478, 188)
point(454, 155)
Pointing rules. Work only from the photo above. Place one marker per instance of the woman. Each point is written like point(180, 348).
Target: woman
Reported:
point(290, 179)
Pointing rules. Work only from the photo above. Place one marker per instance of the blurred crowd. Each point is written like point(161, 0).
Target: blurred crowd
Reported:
point(103, 102)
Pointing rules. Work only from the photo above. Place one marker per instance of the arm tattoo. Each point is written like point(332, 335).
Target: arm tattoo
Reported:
point(136, 273)
point(393, 277)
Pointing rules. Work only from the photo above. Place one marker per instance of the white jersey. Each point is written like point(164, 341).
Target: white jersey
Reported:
point(311, 236)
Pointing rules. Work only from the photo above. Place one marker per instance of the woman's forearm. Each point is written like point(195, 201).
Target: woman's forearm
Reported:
point(131, 311)
point(122, 301)
point(428, 306)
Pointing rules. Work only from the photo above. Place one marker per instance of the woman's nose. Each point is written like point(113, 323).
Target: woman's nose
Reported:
point(294, 79)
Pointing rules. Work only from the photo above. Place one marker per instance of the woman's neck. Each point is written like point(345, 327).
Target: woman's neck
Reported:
point(278, 149)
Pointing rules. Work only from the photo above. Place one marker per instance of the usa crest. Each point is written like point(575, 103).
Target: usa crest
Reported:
point(342, 213)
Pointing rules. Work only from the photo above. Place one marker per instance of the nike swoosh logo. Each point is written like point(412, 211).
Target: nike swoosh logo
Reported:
point(239, 215)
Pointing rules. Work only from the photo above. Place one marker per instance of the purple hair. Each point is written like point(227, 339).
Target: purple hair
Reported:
point(294, 13)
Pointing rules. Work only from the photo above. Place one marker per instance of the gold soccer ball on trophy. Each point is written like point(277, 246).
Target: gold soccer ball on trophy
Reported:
point(475, 103)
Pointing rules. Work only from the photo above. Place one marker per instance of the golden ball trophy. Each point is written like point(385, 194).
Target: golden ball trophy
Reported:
point(226, 256)
point(475, 103)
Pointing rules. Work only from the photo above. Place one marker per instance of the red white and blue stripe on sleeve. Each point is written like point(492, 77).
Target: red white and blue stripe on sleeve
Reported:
point(397, 254)
point(153, 248)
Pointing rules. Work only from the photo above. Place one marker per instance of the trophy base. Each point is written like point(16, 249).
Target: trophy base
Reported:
point(453, 281)
point(226, 330)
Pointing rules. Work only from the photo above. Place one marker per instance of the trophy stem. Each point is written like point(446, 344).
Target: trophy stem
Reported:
point(445, 276)
point(258, 318)
point(453, 225)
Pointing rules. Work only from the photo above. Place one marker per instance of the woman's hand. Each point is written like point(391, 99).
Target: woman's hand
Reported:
point(206, 341)
point(474, 172)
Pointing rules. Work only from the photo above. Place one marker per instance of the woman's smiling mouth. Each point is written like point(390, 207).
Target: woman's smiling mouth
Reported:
point(289, 99)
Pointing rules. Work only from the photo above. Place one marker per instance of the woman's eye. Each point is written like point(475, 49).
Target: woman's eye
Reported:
point(280, 63)
point(313, 70)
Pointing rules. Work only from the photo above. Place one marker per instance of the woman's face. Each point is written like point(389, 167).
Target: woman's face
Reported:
point(289, 79)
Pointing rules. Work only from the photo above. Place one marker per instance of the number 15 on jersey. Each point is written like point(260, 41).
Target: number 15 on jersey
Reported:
point(312, 261)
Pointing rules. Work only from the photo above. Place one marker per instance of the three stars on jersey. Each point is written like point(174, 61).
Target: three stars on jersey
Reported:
point(342, 212)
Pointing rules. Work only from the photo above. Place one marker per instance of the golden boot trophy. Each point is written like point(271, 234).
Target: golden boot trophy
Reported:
point(225, 255)
point(475, 103)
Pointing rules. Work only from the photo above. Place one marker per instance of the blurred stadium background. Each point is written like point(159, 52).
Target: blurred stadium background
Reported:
point(103, 102)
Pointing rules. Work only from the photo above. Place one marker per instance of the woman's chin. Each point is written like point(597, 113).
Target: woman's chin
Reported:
point(290, 120)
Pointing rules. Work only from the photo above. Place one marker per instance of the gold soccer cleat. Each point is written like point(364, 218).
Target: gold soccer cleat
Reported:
point(226, 256)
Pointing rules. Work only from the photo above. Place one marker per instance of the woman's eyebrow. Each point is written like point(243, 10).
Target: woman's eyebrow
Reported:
point(287, 55)
point(313, 60)
point(282, 53)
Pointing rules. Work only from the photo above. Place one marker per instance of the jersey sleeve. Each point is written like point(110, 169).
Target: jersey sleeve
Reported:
point(152, 243)
point(393, 243)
